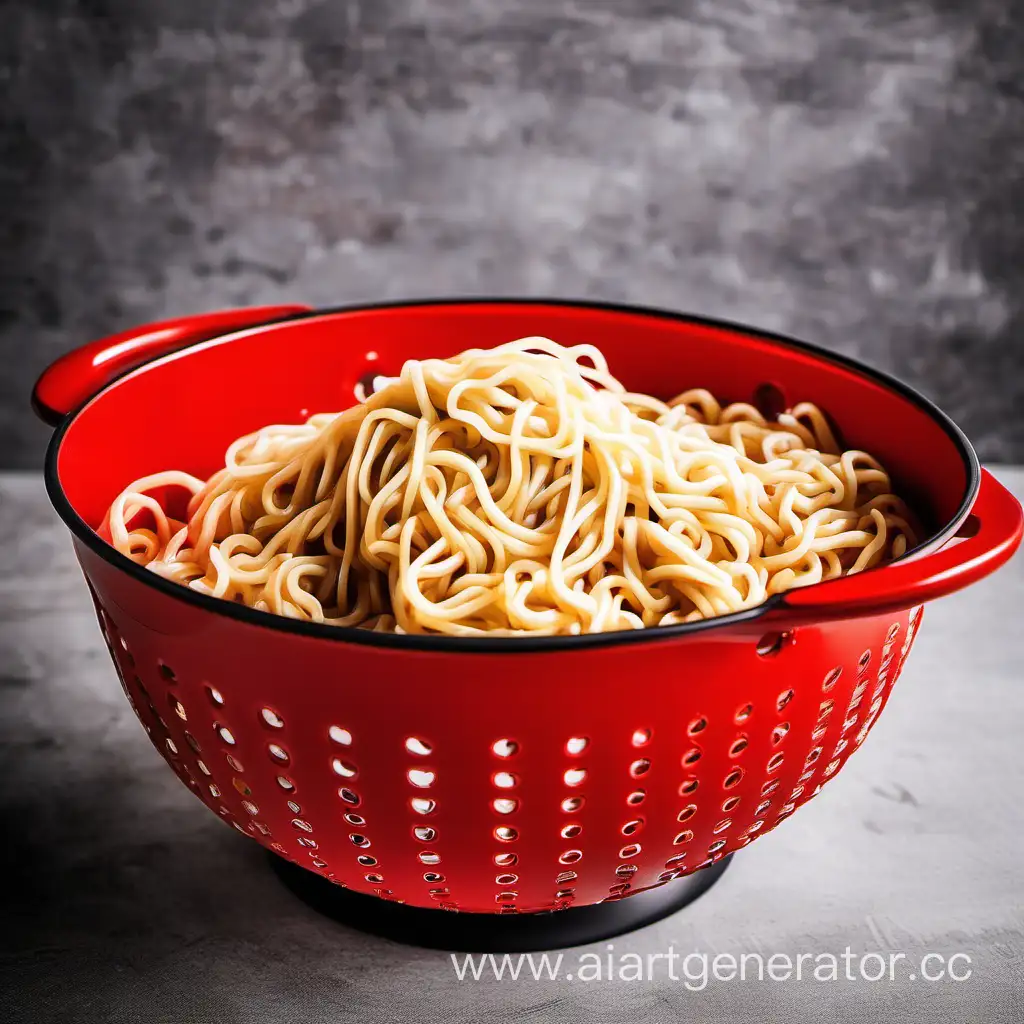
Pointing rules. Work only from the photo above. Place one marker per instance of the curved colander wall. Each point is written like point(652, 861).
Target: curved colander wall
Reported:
point(511, 776)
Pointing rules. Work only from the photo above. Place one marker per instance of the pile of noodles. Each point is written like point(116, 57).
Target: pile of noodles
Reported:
point(520, 490)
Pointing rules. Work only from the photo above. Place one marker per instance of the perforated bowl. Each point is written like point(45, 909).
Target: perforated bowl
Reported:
point(506, 775)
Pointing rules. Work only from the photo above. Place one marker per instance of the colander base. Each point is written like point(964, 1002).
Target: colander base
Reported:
point(498, 933)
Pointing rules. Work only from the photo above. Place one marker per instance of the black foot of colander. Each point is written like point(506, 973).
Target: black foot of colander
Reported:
point(484, 933)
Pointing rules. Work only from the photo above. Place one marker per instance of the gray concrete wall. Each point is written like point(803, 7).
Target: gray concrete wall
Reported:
point(848, 172)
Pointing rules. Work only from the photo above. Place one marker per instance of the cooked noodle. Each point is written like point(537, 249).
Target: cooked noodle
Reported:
point(520, 490)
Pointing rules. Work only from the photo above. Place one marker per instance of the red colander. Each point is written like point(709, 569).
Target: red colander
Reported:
point(499, 776)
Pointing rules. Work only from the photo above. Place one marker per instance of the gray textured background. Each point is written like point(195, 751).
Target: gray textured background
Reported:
point(848, 172)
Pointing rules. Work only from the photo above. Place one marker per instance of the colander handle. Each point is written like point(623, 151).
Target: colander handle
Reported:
point(78, 375)
point(993, 532)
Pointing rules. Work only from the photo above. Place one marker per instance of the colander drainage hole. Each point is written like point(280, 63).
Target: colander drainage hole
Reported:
point(769, 400)
point(698, 725)
point(771, 643)
point(738, 746)
point(505, 748)
point(224, 733)
point(272, 718)
point(369, 382)
point(831, 679)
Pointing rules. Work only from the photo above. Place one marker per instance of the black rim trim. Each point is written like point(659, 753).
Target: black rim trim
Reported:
point(498, 645)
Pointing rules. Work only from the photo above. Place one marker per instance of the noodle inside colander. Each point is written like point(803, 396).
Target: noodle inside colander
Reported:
point(520, 490)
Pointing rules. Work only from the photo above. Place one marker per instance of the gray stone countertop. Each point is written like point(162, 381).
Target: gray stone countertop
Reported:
point(123, 900)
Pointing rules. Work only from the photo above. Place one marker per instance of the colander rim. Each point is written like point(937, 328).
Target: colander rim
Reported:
point(500, 645)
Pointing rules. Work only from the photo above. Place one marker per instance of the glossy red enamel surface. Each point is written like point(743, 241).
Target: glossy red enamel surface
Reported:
point(79, 374)
point(674, 763)
point(688, 748)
